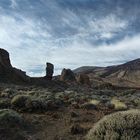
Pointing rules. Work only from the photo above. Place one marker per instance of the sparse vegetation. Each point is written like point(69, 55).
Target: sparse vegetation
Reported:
point(118, 105)
point(9, 117)
point(89, 106)
point(95, 102)
point(76, 129)
point(12, 125)
point(43, 107)
point(20, 102)
point(118, 126)
point(8, 93)
point(5, 103)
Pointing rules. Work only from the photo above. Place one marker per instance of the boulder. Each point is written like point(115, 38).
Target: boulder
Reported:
point(49, 71)
point(83, 79)
point(67, 75)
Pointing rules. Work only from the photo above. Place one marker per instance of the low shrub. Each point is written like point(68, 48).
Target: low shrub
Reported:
point(10, 118)
point(8, 93)
point(118, 105)
point(88, 106)
point(20, 102)
point(12, 125)
point(123, 125)
point(76, 129)
point(5, 103)
point(137, 102)
point(94, 102)
point(34, 104)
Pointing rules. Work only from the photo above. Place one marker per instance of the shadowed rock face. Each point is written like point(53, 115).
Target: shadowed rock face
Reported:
point(5, 64)
point(4, 58)
point(49, 71)
point(7, 72)
point(67, 75)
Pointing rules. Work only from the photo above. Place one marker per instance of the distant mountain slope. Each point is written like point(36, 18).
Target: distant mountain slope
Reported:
point(127, 74)
point(86, 69)
point(129, 66)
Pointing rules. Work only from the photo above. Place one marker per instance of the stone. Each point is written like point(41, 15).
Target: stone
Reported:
point(49, 71)
point(83, 79)
point(4, 58)
point(67, 75)
point(9, 73)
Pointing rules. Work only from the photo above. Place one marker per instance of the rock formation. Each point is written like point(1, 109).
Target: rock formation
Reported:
point(67, 75)
point(49, 71)
point(4, 58)
point(83, 79)
point(7, 72)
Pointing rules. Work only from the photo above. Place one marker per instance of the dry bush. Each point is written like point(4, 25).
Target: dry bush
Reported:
point(5, 103)
point(118, 105)
point(10, 117)
point(33, 104)
point(12, 125)
point(94, 102)
point(20, 102)
point(118, 126)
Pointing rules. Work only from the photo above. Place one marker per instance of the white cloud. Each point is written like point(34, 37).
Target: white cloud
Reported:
point(25, 39)
point(13, 3)
point(30, 45)
point(101, 28)
point(81, 53)
point(110, 23)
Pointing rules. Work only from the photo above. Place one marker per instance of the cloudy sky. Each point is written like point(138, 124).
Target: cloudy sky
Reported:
point(69, 33)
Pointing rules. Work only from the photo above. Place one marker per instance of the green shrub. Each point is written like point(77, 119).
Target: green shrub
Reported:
point(34, 105)
point(12, 125)
point(20, 102)
point(118, 126)
point(10, 117)
point(8, 93)
point(5, 103)
point(137, 102)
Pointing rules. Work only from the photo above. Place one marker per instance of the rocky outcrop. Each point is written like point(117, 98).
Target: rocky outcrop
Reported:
point(83, 79)
point(49, 71)
point(4, 59)
point(5, 65)
point(7, 72)
point(67, 75)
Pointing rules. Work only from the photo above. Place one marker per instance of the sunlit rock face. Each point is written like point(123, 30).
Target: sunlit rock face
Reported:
point(83, 79)
point(67, 75)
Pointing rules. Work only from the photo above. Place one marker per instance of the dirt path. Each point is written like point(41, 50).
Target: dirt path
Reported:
point(58, 125)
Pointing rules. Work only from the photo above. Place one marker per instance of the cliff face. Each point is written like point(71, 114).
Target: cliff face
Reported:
point(9, 73)
point(4, 59)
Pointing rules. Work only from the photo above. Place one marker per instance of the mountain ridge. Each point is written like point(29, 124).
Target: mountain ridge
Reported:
point(126, 74)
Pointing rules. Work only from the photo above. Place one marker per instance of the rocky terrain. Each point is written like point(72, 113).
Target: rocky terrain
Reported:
point(124, 75)
point(69, 106)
